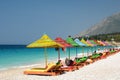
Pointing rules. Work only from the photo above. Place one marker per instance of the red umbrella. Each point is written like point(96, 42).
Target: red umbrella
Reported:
point(63, 43)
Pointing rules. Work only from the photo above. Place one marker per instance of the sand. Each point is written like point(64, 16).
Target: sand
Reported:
point(105, 69)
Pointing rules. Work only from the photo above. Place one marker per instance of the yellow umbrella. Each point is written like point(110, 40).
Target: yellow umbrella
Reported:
point(44, 42)
point(83, 41)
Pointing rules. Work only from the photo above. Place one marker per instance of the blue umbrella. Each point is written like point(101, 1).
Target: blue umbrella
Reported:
point(79, 43)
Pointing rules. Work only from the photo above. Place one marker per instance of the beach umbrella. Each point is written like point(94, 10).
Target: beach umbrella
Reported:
point(90, 44)
point(83, 41)
point(87, 43)
point(94, 43)
point(106, 45)
point(98, 44)
point(63, 43)
point(101, 43)
point(44, 42)
point(80, 43)
point(73, 43)
point(109, 44)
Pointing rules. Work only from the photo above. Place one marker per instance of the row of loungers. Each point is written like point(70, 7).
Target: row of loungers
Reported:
point(54, 69)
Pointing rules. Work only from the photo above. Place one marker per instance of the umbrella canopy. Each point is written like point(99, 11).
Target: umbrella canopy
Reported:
point(93, 42)
point(88, 41)
point(71, 41)
point(62, 42)
point(97, 42)
point(80, 43)
point(106, 44)
point(83, 41)
point(100, 42)
point(44, 42)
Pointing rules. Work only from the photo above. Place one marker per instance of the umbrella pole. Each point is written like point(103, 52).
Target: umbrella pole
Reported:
point(76, 51)
point(91, 50)
point(69, 53)
point(58, 54)
point(83, 51)
point(45, 56)
point(87, 51)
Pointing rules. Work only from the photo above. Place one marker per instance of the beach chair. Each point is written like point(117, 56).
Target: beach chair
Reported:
point(89, 61)
point(51, 70)
point(95, 57)
point(104, 55)
point(66, 68)
point(80, 62)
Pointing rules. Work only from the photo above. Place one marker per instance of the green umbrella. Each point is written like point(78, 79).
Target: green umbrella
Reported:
point(73, 43)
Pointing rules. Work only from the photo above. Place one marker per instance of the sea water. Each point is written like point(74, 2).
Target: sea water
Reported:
point(12, 56)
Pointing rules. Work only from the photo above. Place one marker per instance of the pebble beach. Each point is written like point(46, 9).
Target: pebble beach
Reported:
point(105, 69)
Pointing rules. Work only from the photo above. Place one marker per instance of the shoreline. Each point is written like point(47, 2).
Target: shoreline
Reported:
point(37, 63)
point(16, 61)
point(104, 69)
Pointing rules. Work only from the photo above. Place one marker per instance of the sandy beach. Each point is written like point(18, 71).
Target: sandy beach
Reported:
point(105, 69)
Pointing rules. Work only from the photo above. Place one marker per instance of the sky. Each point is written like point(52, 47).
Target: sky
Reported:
point(24, 21)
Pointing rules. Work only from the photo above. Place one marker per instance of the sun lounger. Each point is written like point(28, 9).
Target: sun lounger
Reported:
point(103, 55)
point(80, 62)
point(89, 61)
point(68, 68)
point(51, 70)
point(95, 57)
point(65, 67)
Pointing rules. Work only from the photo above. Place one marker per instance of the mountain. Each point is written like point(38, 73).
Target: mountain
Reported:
point(110, 24)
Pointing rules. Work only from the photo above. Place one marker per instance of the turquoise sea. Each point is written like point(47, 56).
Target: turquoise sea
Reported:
point(12, 56)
